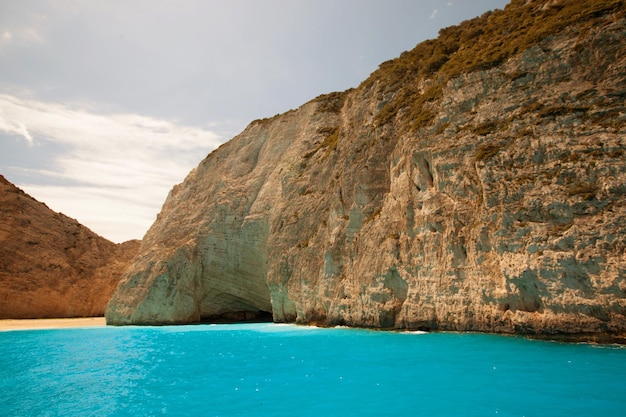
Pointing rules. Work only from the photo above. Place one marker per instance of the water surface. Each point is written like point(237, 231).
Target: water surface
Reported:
point(285, 370)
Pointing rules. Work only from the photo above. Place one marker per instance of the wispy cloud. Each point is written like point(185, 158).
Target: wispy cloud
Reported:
point(117, 168)
point(22, 131)
point(433, 14)
point(23, 35)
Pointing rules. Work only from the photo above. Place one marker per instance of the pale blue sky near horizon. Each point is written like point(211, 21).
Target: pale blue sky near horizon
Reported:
point(107, 104)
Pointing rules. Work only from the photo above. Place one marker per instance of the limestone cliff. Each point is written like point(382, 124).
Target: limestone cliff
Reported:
point(50, 265)
point(476, 183)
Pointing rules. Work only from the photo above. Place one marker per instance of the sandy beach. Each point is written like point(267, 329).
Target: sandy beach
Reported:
point(37, 324)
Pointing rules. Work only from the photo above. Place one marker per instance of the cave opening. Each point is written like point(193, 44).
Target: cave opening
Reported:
point(258, 316)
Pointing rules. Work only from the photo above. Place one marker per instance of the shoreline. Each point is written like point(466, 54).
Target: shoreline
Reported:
point(43, 324)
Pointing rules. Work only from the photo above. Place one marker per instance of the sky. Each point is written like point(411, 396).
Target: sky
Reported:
point(105, 105)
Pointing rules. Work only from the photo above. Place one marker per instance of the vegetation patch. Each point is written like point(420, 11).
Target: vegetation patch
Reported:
point(330, 141)
point(532, 107)
point(555, 111)
point(586, 191)
point(479, 44)
point(331, 103)
point(487, 151)
point(486, 128)
point(374, 214)
point(609, 118)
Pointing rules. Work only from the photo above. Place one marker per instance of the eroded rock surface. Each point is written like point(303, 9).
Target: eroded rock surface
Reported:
point(52, 266)
point(499, 206)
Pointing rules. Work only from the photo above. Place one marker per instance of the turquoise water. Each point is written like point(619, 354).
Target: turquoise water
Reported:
point(284, 370)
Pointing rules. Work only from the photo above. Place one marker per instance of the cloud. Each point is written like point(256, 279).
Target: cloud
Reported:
point(9, 124)
point(5, 37)
point(22, 131)
point(433, 14)
point(113, 214)
point(116, 169)
point(23, 35)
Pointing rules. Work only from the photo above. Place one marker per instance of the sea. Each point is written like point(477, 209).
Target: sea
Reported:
point(266, 369)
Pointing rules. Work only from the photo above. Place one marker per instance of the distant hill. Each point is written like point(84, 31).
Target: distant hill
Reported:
point(51, 265)
point(475, 183)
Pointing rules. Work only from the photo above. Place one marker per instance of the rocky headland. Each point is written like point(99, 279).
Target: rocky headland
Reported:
point(475, 183)
point(52, 266)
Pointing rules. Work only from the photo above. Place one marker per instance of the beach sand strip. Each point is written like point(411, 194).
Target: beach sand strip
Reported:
point(38, 324)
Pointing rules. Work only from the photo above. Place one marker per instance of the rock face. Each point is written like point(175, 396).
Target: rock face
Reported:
point(50, 265)
point(450, 191)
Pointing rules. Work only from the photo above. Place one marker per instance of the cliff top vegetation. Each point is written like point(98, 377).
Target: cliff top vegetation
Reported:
point(479, 44)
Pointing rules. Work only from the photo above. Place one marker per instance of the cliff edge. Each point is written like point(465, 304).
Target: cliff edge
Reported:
point(475, 183)
point(50, 265)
